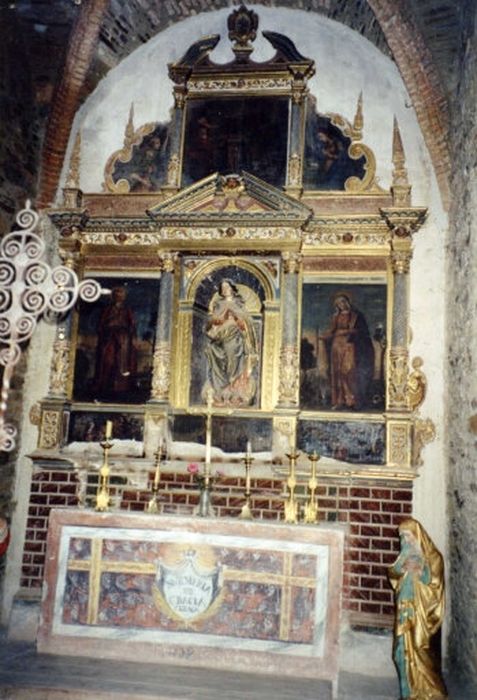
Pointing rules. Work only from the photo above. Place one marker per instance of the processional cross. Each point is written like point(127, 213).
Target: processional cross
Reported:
point(29, 288)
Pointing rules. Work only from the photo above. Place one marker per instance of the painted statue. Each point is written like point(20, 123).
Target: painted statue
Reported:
point(116, 356)
point(231, 349)
point(417, 577)
point(351, 355)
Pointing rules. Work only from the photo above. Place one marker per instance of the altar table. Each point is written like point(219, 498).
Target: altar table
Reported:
point(219, 593)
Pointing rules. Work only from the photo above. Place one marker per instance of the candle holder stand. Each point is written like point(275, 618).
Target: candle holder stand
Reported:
point(103, 498)
point(246, 512)
point(291, 504)
point(311, 507)
point(153, 503)
point(204, 509)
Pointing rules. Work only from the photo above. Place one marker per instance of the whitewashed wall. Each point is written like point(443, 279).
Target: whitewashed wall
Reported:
point(346, 64)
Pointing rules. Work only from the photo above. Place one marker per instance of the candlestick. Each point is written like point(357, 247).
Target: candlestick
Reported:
point(152, 506)
point(311, 508)
point(246, 512)
point(291, 504)
point(102, 494)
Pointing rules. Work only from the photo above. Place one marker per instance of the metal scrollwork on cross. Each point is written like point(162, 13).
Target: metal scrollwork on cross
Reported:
point(30, 289)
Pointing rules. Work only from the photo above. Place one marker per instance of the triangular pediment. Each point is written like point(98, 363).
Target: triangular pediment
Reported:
point(228, 196)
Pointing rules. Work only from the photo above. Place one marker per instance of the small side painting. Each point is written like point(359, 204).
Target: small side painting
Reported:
point(115, 343)
point(327, 163)
point(143, 168)
point(233, 434)
point(87, 426)
point(343, 341)
point(357, 442)
point(229, 434)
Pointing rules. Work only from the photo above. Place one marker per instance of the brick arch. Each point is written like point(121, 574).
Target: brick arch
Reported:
point(404, 39)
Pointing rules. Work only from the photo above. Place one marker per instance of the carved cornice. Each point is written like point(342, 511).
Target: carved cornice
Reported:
point(404, 221)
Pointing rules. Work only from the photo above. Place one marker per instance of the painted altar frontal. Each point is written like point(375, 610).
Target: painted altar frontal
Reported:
point(223, 594)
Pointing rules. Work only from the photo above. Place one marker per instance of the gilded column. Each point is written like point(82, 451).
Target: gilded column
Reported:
point(289, 356)
point(161, 375)
point(55, 408)
point(175, 139)
point(294, 184)
point(401, 254)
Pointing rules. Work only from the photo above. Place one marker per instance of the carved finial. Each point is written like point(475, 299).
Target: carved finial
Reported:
point(399, 159)
point(73, 178)
point(129, 131)
point(242, 25)
point(358, 119)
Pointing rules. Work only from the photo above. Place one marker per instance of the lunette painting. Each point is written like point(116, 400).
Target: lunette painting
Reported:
point(343, 342)
point(115, 342)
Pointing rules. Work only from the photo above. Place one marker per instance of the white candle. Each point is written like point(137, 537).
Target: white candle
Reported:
point(109, 429)
point(249, 448)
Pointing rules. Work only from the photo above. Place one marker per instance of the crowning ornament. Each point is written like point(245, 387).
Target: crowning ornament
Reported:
point(30, 289)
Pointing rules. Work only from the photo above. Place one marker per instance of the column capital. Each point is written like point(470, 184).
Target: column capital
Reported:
point(168, 261)
point(291, 262)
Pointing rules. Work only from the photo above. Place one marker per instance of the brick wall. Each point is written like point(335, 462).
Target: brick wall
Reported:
point(372, 510)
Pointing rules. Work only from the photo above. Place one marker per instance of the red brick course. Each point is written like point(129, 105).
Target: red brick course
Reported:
point(372, 514)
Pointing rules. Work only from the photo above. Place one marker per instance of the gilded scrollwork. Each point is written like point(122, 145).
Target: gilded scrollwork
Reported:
point(60, 365)
point(416, 384)
point(398, 449)
point(35, 414)
point(398, 378)
point(289, 375)
point(161, 373)
point(173, 168)
point(50, 432)
point(424, 432)
point(294, 170)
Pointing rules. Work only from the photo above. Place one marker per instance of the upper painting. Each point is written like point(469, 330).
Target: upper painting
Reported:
point(115, 343)
point(231, 135)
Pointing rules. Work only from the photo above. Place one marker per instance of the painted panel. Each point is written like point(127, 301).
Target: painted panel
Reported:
point(327, 164)
point(358, 442)
point(231, 135)
point(115, 342)
point(343, 341)
point(89, 426)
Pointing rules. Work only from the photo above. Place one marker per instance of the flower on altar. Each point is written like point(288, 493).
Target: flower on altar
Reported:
point(199, 476)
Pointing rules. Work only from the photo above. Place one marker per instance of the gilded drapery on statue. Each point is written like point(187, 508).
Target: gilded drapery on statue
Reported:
point(231, 349)
point(417, 577)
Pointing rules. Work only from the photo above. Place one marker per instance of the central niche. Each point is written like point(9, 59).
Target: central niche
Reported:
point(227, 339)
point(230, 135)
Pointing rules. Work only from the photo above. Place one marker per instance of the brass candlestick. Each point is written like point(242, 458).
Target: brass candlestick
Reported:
point(311, 508)
point(246, 512)
point(205, 509)
point(102, 494)
point(291, 504)
point(153, 506)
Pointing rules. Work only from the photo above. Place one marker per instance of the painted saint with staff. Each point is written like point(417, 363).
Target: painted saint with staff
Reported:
point(231, 349)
